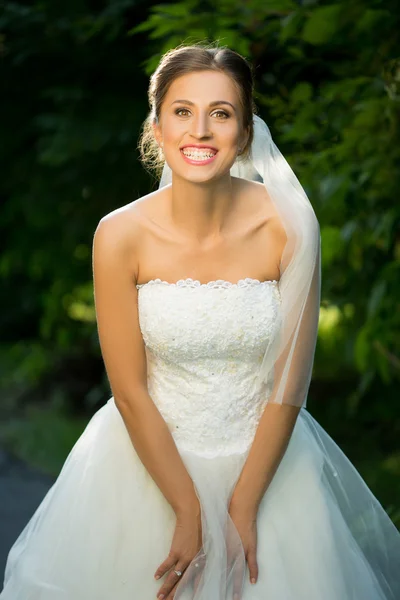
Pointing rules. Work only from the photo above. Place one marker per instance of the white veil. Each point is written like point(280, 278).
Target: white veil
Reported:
point(291, 352)
point(325, 485)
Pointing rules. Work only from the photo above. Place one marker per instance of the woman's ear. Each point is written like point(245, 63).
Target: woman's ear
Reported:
point(157, 132)
point(245, 137)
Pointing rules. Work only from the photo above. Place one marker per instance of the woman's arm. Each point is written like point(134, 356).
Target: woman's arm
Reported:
point(269, 446)
point(278, 420)
point(115, 244)
point(276, 425)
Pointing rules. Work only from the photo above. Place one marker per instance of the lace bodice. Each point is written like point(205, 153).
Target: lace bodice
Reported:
point(204, 345)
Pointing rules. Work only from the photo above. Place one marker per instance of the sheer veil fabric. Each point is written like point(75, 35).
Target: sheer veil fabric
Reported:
point(291, 352)
point(321, 531)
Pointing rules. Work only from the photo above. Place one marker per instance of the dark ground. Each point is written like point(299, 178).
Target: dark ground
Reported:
point(21, 491)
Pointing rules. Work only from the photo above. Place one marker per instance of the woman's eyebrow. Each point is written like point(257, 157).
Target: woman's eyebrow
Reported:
point(214, 103)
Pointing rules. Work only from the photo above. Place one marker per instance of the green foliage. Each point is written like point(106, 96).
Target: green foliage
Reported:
point(42, 437)
point(69, 157)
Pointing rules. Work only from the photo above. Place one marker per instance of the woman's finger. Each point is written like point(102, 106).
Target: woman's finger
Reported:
point(172, 592)
point(171, 580)
point(165, 566)
point(252, 564)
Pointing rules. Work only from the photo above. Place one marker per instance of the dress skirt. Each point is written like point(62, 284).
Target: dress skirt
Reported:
point(104, 527)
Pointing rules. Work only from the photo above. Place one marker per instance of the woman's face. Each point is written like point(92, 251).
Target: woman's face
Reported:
point(201, 126)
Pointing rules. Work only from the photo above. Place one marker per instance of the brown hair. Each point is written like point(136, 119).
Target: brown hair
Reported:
point(187, 59)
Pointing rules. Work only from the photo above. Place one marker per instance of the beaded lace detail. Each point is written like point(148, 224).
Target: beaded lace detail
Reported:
point(203, 353)
point(217, 283)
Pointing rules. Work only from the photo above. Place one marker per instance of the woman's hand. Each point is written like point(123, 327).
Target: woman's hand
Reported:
point(186, 543)
point(245, 522)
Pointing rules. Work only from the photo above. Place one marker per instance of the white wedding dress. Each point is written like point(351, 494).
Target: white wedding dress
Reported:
point(104, 527)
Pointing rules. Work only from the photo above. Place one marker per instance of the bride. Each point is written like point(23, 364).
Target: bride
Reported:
point(204, 477)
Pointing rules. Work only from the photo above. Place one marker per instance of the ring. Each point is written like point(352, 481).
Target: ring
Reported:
point(179, 573)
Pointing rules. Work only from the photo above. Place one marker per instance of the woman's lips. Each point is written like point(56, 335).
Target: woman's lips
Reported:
point(198, 163)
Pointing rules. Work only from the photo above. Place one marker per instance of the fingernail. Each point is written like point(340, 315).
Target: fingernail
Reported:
point(253, 580)
point(161, 596)
point(156, 577)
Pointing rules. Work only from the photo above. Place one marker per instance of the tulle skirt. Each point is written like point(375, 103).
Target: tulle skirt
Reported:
point(104, 527)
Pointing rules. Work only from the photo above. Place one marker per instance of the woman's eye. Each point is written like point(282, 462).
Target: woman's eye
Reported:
point(221, 112)
point(180, 110)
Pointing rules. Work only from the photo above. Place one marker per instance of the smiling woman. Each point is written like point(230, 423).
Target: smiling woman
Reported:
point(203, 133)
point(205, 468)
point(232, 77)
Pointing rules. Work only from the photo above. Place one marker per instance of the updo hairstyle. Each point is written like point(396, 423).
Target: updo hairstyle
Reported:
point(188, 59)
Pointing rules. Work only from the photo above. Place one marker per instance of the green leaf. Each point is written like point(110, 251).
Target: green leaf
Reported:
point(332, 245)
point(377, 293)
point(290, 26)
point(301, 93)
point(322, 24)
point(362, 349)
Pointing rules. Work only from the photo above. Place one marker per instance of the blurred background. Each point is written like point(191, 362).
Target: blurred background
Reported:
point(75, 77)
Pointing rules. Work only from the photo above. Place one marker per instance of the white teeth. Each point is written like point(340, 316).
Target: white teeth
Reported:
point(198, 154)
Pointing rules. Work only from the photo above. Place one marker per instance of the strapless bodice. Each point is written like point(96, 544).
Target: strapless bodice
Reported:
point(204, 345)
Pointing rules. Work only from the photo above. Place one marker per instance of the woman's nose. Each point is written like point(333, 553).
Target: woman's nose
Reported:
point(200, 126)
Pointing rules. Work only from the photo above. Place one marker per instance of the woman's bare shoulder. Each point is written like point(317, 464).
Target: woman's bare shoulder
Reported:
point(256, 197)
point(125, 226)
point(259, 204)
